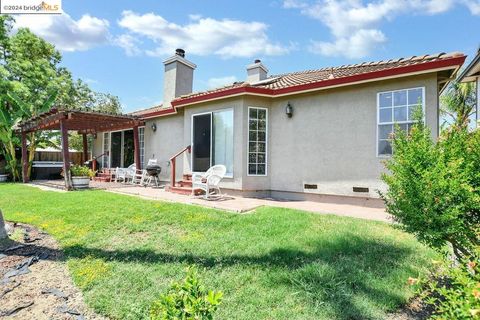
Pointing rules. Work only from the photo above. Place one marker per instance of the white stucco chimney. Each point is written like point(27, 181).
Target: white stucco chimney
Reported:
point(178, 78)
point(256, 72)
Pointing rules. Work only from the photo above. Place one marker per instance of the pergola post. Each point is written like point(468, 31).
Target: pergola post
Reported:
point(25, 177)
point(136, 146)
point(66, 155)
point(85, 148)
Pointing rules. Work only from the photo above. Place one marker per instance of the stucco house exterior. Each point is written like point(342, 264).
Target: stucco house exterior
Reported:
point(471, 73)
point(316, 132)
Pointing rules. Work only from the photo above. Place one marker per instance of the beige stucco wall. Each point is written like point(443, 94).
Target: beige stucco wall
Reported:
point(165, 142)
point(331, 138)
point(97, 146)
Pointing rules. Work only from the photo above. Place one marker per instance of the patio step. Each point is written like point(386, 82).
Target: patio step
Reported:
point(182, 190)
point(187, 183)
point(187, 177)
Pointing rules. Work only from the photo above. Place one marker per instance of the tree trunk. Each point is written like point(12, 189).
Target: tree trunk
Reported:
point(3, 231)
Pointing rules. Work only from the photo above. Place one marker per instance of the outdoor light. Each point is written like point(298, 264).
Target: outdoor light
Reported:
point(289, 110)
point(154, 127)
point(94, 136)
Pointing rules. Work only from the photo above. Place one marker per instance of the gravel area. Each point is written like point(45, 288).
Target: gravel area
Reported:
point(34, 280)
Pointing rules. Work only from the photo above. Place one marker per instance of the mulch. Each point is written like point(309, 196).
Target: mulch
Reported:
point(34, 280)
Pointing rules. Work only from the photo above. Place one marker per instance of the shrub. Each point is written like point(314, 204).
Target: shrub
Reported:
point(433, 188)
point(455, 293)
point(186, 300)
point(81, 171)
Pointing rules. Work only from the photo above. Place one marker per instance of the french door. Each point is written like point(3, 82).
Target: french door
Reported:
point(212, 140)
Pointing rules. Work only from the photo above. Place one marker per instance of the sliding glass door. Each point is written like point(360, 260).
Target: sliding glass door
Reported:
point(212, 140)
point(202, 141)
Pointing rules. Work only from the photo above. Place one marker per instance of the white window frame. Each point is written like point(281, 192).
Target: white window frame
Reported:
point(211, 138)
point(109, 147)
point(266, 141)
point(395, 122)
point(142, 150)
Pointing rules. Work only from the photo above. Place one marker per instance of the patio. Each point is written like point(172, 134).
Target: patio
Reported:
point(341, 206)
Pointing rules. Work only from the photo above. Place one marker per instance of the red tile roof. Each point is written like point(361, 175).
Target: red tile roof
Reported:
point(290, 83)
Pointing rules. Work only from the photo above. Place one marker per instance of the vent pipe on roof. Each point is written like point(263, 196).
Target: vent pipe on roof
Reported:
point(256, 71)
point(178, 77)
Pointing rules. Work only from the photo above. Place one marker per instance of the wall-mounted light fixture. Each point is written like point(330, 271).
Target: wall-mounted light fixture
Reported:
point(154, 127)
point(289, 110)
point(94, 136)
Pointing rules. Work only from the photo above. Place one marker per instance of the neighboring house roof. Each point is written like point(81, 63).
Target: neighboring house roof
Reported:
point(312, 80)
point(472, 71)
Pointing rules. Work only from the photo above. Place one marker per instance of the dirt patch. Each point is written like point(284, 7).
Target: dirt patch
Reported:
point(34, 281)
point(416, 309)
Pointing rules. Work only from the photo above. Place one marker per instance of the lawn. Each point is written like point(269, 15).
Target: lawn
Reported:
point(275, 263)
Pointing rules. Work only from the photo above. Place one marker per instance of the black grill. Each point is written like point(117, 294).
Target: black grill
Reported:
point(153, 170)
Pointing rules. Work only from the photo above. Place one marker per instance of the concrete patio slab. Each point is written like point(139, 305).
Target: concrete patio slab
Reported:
point(337, 206)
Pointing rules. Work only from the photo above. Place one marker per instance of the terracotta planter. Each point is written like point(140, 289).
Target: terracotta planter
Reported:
point(3, 177)
point(81, 182)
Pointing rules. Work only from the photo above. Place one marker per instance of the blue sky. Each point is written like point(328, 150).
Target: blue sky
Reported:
point(118, 46)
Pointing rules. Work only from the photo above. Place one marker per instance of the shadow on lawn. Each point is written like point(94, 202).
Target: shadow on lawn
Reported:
point(346, 276)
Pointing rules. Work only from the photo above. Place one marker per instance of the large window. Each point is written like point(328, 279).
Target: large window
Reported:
point(257, 141)
point(396, 110)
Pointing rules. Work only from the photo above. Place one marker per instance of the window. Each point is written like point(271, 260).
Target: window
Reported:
point(396, 108)
point(257, 141)
point(141, 138)
point(106, 149)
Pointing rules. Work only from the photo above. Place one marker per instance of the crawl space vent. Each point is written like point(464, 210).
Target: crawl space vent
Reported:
point(360, 189)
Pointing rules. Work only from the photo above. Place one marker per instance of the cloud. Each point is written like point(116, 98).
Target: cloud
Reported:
point(354, 24)
point(358, 45)
point(220, 82)
point(202, 36)
point(66, 33)
point(129, 44)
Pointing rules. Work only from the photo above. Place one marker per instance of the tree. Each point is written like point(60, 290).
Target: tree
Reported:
point(434, 187)
point(3, 231)
point(458, 103)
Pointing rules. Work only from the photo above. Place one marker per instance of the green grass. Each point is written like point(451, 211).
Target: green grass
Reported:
point(273, 264)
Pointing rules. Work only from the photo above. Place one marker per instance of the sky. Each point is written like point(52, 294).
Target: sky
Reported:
point(118, 46)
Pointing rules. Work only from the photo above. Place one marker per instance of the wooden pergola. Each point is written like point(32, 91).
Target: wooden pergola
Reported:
point(84, 122)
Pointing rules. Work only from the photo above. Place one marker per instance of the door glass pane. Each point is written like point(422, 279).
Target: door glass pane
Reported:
point(201, 142)
point(106, 147)
point(128, 148)
point(116, 149)
point(222, 148)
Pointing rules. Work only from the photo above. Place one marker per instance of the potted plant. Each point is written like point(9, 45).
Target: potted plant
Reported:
point(81, 176)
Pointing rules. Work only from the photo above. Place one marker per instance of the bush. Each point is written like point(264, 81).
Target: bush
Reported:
point(81, 171)
point(433, 188)
point(455, 293)
point(186, 300)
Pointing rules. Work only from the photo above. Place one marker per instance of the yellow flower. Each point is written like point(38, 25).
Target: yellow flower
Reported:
point(476, 293)
point(471, 264)
point(411, 281)
point(474, 312)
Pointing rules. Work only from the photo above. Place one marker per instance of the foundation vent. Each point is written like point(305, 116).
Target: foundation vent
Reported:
point(310, 186)
point(360, 189)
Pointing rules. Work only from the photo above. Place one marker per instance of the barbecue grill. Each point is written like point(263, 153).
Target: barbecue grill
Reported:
point(153, 171)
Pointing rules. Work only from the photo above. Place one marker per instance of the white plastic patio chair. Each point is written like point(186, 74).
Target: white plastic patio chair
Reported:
point(129, 173)
point(209, 181)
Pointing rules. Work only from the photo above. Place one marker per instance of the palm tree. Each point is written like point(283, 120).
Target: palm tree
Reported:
point(458, 103)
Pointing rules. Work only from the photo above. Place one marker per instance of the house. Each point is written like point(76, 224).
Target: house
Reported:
point(472, 74)
point(320, 132)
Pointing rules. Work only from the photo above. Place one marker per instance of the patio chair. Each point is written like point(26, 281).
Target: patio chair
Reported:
point(126, 174)
point(209, 181)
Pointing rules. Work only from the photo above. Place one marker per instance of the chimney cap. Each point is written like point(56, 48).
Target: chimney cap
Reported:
point(180, 52)
point(257, 61)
